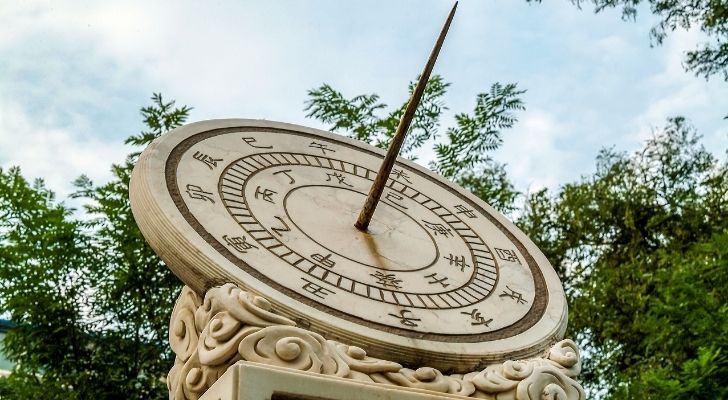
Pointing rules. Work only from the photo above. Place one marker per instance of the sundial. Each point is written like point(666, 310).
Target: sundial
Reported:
point(348, 241)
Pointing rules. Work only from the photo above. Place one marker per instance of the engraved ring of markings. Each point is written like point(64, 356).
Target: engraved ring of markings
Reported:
point(232, 189)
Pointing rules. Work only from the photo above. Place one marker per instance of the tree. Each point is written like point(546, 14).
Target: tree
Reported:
point(642, 244)
point(463, 157)
point(46, 258)
point(711, 16)
point(90, 298)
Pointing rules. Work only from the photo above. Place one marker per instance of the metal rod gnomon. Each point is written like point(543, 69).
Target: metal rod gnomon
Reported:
point(375, 193)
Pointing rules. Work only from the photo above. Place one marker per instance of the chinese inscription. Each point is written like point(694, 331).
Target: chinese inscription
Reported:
point(206, 159)
point(265, 194)
point(434, 280)
point(387, 280)
point(239, 243)
point(285, 228)
point(465, 211)
point(507, 255)
point(197, 193)
point(518, 297)
point(477, 318)
point(438, 229)
point(286, 173)
point(405, 319)
point(395, 199)
point(315, 289)
point(251, 140)
point(321, 146)
point(338, 177)
point(457, 261)
point(326, 260)
point(400, 174)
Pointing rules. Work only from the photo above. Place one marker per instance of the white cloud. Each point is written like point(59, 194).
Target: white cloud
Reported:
point(534, 155)
point(67, 63)
point(674, 91)
point(54, 154)
point(78, 71)
point(612, 47)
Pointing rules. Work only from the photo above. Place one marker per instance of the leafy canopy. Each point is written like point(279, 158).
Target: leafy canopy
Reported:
point(642, 245)
point(90, 298)
point(464, 156)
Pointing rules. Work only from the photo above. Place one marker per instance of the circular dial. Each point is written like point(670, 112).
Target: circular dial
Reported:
point(438, 277)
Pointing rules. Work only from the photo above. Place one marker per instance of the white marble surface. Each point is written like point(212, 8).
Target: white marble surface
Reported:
point(250, 381)
point(440, 278)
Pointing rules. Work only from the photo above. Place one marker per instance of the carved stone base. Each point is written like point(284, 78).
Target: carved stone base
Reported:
point(252, 381)
point(231, 325)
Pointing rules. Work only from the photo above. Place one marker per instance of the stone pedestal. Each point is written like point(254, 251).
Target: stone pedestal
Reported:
point(231, 345)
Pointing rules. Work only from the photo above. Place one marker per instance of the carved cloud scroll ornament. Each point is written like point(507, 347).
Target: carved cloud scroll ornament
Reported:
point(231, 325)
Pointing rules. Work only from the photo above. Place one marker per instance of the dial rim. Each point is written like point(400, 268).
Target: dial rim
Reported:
point(553, 294)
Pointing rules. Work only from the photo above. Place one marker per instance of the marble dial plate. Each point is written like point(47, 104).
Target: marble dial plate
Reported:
point(439, 277)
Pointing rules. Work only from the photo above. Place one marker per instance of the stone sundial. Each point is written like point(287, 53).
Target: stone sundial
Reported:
point(347, 241)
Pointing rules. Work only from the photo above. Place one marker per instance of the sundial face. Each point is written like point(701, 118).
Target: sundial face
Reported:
point(438, 278)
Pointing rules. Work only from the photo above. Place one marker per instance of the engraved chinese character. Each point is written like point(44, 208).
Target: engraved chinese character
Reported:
point(395, 198)
point(266, 194)
point(404, 319)
point(321, 146)
point(285, 228)
point(251, 140)
point(339, 177)
point(458, 262)
point(387, 280)
point(477, 318)
point(507, 255)
point(206, 159)
point(434, 280)
point(286, 173)
point(518, 297)
point(326, 260)
point(466, 211)
point(315, 289)
point(196, 192)
point(400, 174)
point(239, 243)
point(438, 229)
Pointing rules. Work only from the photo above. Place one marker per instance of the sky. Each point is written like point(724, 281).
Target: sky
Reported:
point(74, 74)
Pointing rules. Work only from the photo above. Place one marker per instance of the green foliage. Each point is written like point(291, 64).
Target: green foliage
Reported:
point(357, 117)
point(45, 258)
point(490, 183)
point(643, 245)
point(538, 220)
point(475, 135)
point(91, 299)
point(160, 117)
point(463, 157)
point(685, 328)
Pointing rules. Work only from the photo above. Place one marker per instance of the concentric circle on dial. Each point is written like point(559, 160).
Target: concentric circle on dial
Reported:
point(380, 247)
point(247, 202)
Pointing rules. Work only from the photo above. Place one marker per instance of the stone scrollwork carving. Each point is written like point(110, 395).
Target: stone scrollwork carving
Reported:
point(231, 325)
point(295, 348)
